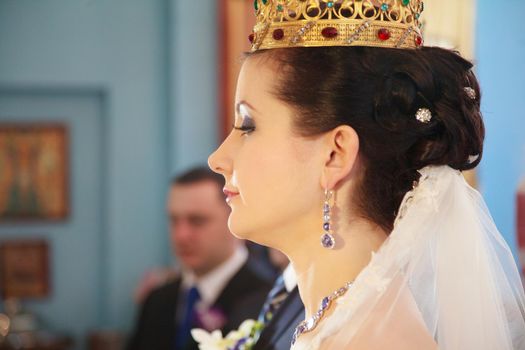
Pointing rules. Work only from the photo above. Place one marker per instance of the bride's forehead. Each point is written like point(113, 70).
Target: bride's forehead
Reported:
point(258, 71)
point(256, 83)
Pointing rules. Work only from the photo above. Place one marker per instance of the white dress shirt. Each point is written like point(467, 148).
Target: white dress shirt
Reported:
point(212, 284)
point(290, 278)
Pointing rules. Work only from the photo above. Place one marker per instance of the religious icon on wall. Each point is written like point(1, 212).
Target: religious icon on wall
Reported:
point(24, 269)
point(33, 172)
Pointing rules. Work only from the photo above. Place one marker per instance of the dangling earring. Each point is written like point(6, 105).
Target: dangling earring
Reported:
point(327, 239)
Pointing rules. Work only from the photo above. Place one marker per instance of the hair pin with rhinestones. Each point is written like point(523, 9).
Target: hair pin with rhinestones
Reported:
point(424, 115)
point(471, 93)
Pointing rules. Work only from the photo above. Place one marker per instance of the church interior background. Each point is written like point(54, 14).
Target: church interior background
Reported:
point(131, 92)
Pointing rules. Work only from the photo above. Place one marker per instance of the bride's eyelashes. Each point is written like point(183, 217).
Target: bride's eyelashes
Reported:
point(243, 121)
point(244, 129)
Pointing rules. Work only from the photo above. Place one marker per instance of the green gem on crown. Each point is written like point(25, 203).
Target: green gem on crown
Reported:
point(384, 7)
point(330, 4)
point(406, 2)
point(279, 8)
point(255, 5)
point(264, 2)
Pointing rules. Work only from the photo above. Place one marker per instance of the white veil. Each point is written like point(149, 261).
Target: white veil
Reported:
point(444, 278)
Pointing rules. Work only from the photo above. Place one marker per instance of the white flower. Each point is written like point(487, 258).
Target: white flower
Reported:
point(210, 341)
point(246, 327)
point(215, 340)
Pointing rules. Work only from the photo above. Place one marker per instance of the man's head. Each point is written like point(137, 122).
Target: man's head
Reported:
point(198, 220)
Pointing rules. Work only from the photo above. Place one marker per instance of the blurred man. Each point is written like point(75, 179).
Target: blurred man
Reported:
point(219, 286)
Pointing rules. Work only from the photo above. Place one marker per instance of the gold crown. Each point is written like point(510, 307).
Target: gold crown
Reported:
point(307, 23)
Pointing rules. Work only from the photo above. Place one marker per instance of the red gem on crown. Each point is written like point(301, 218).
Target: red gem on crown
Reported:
point(419, 40)
point(329, 32)
point(383, 34)
point(278, 34)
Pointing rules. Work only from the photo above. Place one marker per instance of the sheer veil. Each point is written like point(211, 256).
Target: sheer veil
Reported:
point(444, 278)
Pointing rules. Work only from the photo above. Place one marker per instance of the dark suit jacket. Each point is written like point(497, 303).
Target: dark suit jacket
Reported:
point(156, 324)
point(277, 335)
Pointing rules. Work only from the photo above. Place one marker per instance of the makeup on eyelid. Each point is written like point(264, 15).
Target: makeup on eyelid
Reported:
point(243, 120)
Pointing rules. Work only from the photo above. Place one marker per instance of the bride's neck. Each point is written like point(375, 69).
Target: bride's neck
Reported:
point(321, 271)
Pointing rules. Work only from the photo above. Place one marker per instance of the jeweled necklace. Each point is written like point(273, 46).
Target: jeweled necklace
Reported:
point(310, 324)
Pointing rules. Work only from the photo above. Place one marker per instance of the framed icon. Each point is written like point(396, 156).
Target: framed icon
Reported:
point(24, 269)
point(33, 172)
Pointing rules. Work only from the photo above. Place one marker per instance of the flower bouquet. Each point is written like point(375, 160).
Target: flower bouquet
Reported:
point(241, 339)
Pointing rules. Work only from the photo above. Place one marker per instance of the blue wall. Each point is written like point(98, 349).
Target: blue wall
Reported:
point(158, 117)
point(500, 57)
point(83, 274)
point(156, 70)
point(194, 79)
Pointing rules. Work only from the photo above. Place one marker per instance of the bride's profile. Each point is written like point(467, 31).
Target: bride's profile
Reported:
point(346, 155)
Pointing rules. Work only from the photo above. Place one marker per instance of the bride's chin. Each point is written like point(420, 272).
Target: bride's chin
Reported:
point(240, 233)
point(236, 230)
point(249, 235)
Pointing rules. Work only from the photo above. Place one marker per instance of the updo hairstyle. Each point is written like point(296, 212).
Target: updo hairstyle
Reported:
point(377, 91)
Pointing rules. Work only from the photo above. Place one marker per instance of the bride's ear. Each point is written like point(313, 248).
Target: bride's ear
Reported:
point(341, 149)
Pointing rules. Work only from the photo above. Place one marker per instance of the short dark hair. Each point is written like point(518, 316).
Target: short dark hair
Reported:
point(377, 91)
point(198, 174)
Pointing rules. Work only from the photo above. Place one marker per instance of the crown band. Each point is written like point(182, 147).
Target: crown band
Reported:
point(310, 23)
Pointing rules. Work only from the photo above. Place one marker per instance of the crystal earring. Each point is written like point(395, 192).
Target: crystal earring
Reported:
point(327, 239)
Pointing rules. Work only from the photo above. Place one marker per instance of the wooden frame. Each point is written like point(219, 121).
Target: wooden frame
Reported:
point(236, 20)
point(34, 171)
point(24, 269)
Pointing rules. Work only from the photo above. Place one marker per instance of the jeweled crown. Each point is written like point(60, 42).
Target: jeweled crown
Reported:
point(308, 23)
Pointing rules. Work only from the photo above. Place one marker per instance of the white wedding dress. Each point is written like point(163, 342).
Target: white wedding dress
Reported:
point(444, 278)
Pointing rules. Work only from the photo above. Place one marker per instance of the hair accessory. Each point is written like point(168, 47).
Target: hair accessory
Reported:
point(424, 115)
point(310, 324)
point(306, 23)
point(472, 158)
point(327, 239)
point(471, 93)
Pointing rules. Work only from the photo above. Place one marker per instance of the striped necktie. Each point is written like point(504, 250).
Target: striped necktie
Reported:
point(273, 301)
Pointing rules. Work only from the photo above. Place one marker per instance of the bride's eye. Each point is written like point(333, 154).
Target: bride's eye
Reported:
point(246, 128)
point(243, 121)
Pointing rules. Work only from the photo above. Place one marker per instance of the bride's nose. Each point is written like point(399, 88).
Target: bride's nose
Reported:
point(220, 161)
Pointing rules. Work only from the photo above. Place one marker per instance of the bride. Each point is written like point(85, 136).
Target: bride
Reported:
point(346, 155)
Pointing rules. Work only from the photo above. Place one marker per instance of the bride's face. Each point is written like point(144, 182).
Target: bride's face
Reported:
point(272, 174)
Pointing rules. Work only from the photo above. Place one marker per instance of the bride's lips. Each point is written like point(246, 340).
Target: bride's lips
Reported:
point(229, 194)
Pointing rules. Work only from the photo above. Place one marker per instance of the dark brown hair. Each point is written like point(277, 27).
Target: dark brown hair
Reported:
point(197, 175)
point(377, 92)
